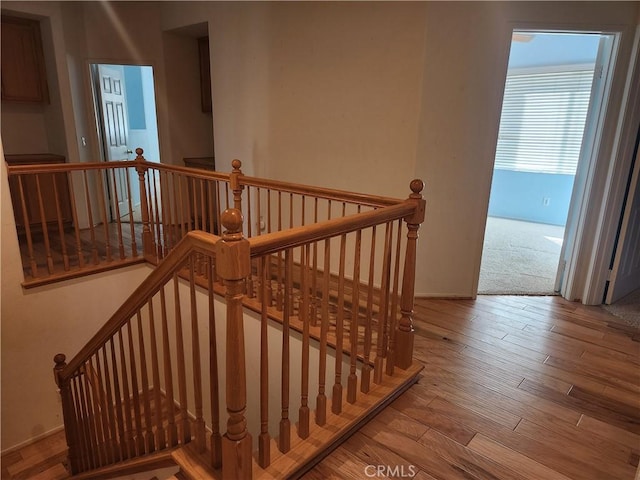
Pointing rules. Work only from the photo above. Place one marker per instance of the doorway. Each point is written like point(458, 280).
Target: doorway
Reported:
point(550, 96)
point(124, 102)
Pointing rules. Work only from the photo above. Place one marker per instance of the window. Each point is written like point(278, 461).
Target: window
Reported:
point(543, 117)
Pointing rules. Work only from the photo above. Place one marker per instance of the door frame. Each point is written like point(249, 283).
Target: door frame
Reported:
point(587, 270)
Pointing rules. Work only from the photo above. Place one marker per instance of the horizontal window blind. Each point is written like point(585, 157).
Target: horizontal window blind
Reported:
point(542, 122)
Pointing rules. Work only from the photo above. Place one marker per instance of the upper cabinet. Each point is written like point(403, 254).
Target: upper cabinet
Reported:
point(24, 77)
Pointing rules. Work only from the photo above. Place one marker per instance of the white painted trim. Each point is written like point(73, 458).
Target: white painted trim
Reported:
point(617, 176)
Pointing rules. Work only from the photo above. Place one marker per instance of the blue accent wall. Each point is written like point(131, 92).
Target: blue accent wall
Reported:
point(520, 196)
point(546, 49)
point(135, 99)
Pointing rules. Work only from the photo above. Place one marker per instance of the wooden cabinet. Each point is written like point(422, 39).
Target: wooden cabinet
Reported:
point(205, 74)
point(24, 77)
point(52, 185)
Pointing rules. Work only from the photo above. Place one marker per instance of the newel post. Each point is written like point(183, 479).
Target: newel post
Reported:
point(405, 331)
point(233, 265)
point(68, 415)
point(147, 238)
point(234, 182)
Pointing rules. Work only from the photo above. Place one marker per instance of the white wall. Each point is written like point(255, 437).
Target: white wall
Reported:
point(41, 322)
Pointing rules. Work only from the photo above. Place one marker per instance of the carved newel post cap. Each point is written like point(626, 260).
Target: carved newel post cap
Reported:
point(236, 164)
point(416, 187)
point(232, 220)
point(60, 359)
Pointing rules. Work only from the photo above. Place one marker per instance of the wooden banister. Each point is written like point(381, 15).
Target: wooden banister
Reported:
point(193, 241)
point(67, 410)
point(233, 266)
point(294, 237)
point(403, 349)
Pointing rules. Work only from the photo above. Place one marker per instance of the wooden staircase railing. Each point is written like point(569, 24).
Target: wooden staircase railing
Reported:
point(330, 275)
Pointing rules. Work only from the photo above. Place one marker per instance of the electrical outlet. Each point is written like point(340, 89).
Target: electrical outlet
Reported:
point(546, 201)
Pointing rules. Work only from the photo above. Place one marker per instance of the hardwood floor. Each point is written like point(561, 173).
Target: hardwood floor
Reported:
point(513, 388)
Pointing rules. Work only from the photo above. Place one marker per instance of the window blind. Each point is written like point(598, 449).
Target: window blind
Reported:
point(542, 122)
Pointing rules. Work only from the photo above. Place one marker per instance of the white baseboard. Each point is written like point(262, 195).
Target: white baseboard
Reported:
point(32, 440)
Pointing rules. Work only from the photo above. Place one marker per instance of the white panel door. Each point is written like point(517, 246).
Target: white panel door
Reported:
point(115, 125)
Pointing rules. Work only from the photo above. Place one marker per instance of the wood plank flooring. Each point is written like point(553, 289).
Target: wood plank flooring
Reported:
point(513, 388)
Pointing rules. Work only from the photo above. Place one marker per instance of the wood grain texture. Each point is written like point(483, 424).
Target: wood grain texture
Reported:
point(574, 423)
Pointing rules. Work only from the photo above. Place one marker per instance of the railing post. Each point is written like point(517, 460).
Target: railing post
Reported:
point(68, 415)
point(234, 182)
point(405, 332)
point(233, 265)
point(148, 244)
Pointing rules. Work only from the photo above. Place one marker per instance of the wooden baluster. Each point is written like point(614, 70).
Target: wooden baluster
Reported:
point(144, 377)
point(172, 429)
point(405, 330)
point(264, 440)
point(147, 238)
point(105, 222)
point(124, 450)
point(182, 377)
point(63, 240)
point(366, 366)
point(279, 292)
point(233, 265)
point(86, 422)
point(197, 369)
point(226, 195)
point(303, 413)
point(172, 213)
point(181, 207)
point(165, 205)
point(212, 207)
point(43, 222)
point(218, 208)
point(135, 392)
point(127, 398)
point(352, 382)
point(76, 225)
point(284, 438)
point(336, 400)
point(314, 278)
point(269, 266)
point(68, 414)
point(32, 260)
point(250, 286)
point(82, 443)
point(116, 203)
point(321, 401)
point(92, 385)
point(132, 229)
point(158, 224)
point(383, 307)
point(92, 232)
point(108, 422)
point(161, 438)
point(196, 216)
point(394, 304)
point(109, 402)
point(216, 439)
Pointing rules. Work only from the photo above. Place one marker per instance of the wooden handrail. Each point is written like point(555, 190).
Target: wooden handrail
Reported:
point(295, 237)
point(69, 167)
point(193, 241)
point(325, 193)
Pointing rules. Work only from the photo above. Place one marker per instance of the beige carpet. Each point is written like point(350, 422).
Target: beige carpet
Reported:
point(627, 309)
point(519, 258)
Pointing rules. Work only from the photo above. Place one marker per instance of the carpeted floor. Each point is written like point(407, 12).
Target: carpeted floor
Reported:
point(519, 258)
point(627, 309)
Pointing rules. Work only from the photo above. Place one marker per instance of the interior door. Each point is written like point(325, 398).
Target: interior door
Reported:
point(115, 126)
point(625, 271)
